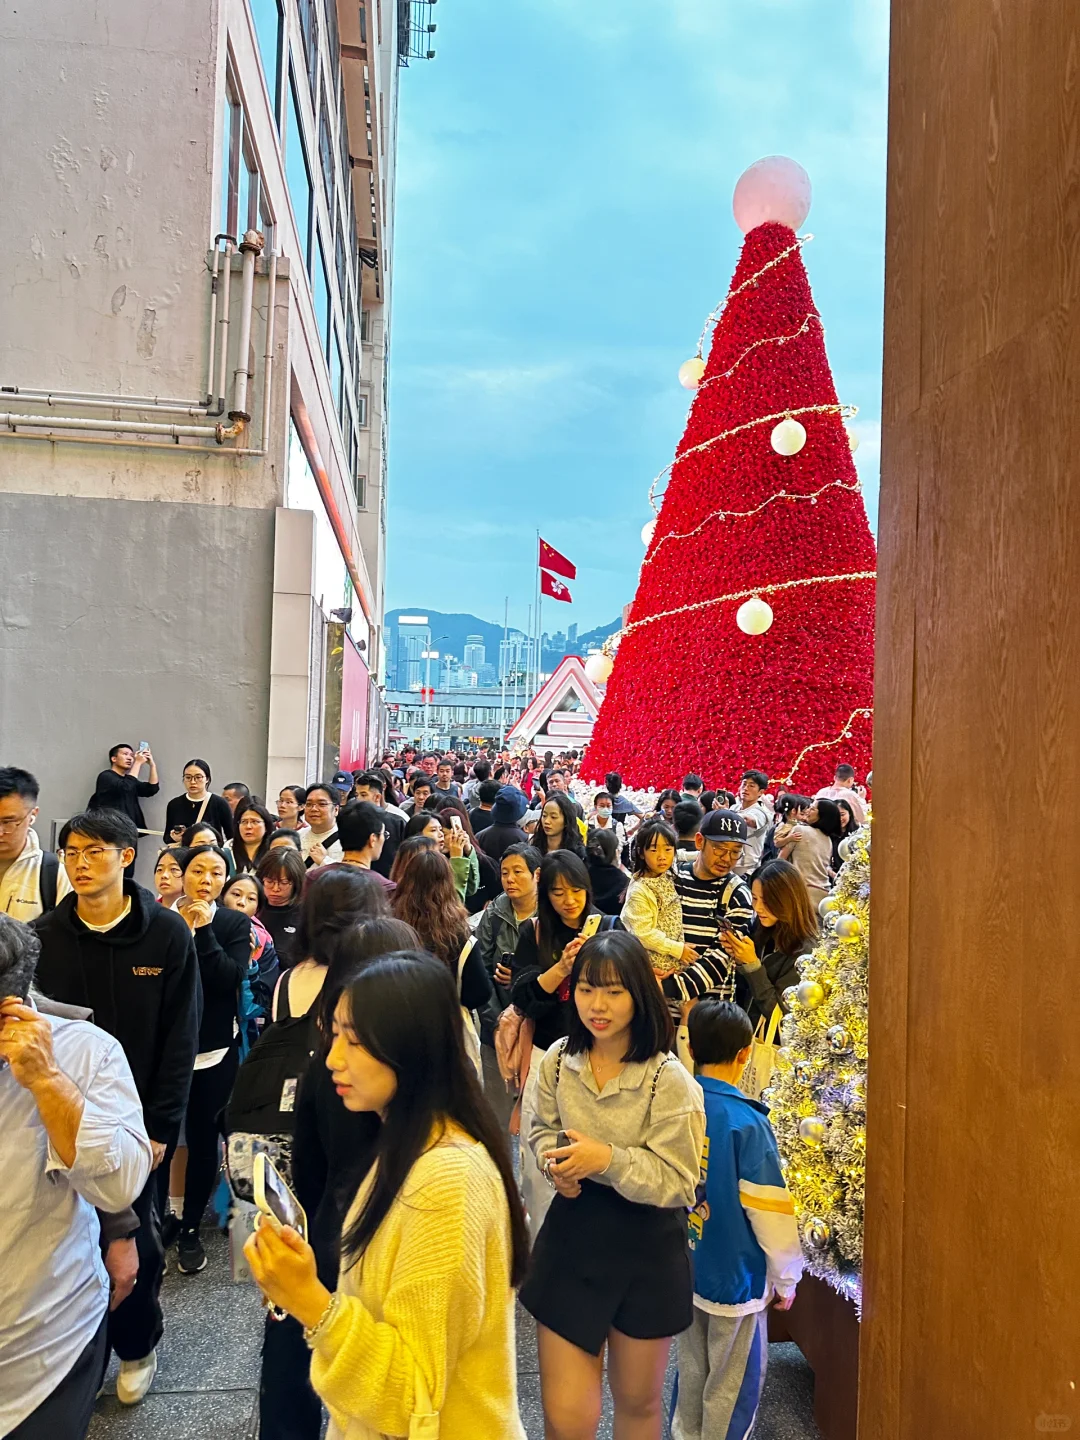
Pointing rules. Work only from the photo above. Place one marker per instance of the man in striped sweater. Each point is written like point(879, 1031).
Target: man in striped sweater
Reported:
point(713, 898)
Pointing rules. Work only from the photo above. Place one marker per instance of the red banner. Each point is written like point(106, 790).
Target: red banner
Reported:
point(550, 559)
point(354, 708)
point(549, 585)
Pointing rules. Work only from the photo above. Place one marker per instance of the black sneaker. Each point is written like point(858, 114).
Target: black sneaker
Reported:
point(170, 1230)
point(190, 1255)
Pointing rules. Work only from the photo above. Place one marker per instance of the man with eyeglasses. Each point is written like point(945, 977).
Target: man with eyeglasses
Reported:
point(109, 947)
point(713, 896)
point(320, 843)
point(31, 881)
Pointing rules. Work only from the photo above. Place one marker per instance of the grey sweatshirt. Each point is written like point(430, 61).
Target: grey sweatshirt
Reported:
point(656, 1131)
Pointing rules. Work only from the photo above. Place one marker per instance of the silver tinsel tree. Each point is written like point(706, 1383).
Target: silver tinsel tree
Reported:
point(817, 1100)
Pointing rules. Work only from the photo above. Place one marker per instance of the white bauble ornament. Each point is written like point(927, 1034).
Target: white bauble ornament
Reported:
point(848, 927)
point(690, 373)
point(812, 1130)
point(810, 994)
point(827, 906)
point(853, 441)
point(754, 617)
point(788, 437)
point(774, 188)
point(845, 848)
point(648, 530)
point(598, 668)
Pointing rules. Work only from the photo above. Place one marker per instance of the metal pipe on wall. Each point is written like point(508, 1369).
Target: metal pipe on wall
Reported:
point(223, 323)
point(251, 248)
point(117, 427)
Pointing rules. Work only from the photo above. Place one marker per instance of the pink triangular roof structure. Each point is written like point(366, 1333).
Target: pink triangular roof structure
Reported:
point(553, 715)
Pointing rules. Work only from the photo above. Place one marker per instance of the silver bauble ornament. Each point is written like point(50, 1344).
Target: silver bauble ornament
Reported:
point(830, 922)
point(790, 997)
point(810, 994)
point(804, 1071)
point(817, 1233)
point(845, 848)
point(838, 1040)
point(767, 1097)
point(812, 1130)
point(785, 1057)
point(849, 927)
point(828, 905)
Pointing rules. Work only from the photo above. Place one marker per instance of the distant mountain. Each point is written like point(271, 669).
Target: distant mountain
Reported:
point(449, 633)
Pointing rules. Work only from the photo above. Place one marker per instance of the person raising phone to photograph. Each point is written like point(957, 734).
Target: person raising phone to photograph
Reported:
point(418, 1335)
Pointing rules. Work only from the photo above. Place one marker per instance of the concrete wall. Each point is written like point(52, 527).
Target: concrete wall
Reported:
point(92, 589)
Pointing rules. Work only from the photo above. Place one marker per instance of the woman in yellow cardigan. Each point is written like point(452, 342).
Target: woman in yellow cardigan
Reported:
point(422, 1322)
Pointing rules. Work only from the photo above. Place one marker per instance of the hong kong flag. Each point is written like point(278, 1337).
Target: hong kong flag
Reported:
point(550, 559)
point(549, 585)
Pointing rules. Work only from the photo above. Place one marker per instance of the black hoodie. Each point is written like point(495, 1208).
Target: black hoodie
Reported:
point(141, 980)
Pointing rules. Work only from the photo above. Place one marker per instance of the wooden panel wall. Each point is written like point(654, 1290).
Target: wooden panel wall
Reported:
point(971, 1323)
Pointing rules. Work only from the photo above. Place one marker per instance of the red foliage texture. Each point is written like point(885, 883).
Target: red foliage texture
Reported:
point(691, 692)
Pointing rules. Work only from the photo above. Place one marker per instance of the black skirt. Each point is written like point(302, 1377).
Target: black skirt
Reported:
point(602, 1262)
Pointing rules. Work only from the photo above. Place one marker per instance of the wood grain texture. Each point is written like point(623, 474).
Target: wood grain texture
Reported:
point(974, 1087)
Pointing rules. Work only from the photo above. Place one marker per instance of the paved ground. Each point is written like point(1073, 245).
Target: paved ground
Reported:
point(208, 1372)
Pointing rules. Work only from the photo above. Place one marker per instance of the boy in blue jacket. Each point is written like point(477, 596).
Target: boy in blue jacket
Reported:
point(743, 1237)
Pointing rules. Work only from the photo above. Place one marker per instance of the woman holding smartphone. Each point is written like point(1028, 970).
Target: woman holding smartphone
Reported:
point(618, 1126)
point(197, 803)
point(540, 987)
point(419, 1330)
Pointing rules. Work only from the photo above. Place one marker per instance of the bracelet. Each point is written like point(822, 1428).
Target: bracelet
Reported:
point(311, 1332)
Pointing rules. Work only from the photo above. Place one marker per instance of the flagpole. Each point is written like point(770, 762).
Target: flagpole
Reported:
point(505, 657)
point(536, 616)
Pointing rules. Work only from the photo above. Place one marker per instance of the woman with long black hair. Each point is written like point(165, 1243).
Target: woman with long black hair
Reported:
point(619, 1127)
point(422, 1320)
point(253, 829)
point(331, 1151)
point(785, 929)
point(809, 846)
point(558, 828)
point(540, 987)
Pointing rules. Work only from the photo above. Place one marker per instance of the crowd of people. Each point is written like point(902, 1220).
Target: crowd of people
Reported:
point(488, 1023)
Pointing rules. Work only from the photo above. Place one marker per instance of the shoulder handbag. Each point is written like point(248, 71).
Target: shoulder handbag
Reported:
point(758, 1073)
point(472, 1039)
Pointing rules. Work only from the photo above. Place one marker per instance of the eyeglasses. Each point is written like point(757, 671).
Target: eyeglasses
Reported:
point(8, 827)
point(194, 778)
point(95, 854)
point(317, 805)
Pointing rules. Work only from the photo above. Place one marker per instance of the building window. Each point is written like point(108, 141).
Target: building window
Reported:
point(365, 326)
point(360, 490)
point(269, 28)
point(243, 203)
point(362, 409)
point(336, 377)
point(320, 292)
point(298, 171)
point(326, 153)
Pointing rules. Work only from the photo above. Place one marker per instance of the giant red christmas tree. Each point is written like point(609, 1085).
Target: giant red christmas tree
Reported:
point(689, 690)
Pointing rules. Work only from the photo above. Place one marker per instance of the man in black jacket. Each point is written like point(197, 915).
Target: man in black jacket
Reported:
point(110, 947)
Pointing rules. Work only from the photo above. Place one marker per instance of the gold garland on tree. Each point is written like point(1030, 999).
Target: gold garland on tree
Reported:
point(817, 1100)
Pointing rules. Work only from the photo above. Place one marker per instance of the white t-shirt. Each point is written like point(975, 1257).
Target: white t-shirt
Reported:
point(757, 825)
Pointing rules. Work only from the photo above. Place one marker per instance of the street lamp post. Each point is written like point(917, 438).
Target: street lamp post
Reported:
point(427, 656)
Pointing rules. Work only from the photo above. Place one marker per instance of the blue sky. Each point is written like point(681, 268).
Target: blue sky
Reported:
point(563, 227)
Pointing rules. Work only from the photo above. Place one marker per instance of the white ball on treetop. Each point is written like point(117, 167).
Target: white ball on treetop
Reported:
point(788, 438)
point(647, 532)
point(774, 188)
point(852, 440)
point(754, 617)
point(690, 373)
point(598, 668)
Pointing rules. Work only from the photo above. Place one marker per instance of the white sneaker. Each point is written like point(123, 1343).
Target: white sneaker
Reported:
point(135, 1378)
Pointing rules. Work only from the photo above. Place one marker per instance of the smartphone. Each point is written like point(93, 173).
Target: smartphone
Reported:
point(591, 926)
point(144, 745)
point(455, 821)
point(274, 1198)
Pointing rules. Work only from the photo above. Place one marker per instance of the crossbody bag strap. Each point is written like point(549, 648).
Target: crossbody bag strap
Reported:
point(202, 808)
point(466, 951)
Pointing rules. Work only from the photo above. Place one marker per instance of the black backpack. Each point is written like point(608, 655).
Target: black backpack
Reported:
point(48, 877)
point(263, 1100)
